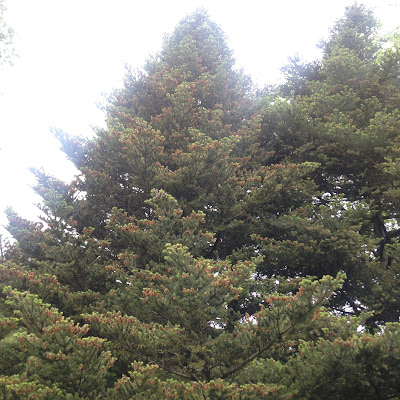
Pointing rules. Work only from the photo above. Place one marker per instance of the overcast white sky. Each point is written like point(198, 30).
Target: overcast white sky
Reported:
point(71, 52)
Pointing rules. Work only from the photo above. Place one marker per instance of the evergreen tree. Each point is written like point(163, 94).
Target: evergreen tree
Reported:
point(199, 253)
point(343, 114)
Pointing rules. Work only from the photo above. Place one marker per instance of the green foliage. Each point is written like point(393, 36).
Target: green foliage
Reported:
point(50, 352)
point(343, 115)
point(217, 244)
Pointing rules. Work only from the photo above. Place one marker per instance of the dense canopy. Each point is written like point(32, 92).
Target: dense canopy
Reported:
point(220, 241)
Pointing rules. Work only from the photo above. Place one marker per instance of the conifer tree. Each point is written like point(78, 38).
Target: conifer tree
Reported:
point(343, 114)
point(202, 251)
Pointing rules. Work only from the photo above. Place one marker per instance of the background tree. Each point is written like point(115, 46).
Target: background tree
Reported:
point(6, 38)
point(343, 114)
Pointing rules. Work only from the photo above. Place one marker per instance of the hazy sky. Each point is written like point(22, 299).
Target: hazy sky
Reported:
point(72, 52)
